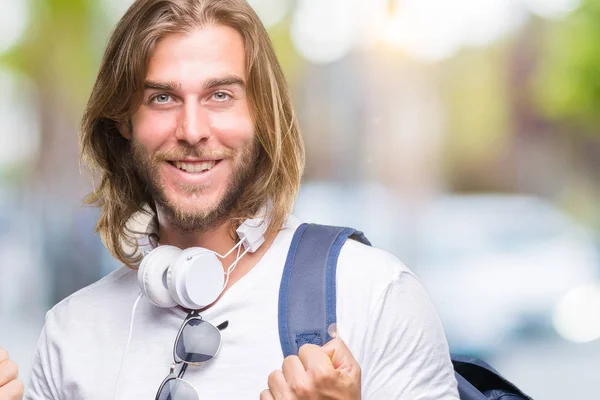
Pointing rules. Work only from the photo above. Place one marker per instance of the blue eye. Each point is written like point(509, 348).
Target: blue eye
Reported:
point(221, 96)
point(161, 98)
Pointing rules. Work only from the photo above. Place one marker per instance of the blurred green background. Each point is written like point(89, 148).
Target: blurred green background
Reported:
point(463, 136)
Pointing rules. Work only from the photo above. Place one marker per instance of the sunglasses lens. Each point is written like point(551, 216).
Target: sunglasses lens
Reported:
point(177, 389)
point(199, 341)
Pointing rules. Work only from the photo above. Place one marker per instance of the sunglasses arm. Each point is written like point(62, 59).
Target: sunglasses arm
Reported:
point(182, 371)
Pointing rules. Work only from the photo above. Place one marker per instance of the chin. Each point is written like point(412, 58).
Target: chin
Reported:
point(197, 205)
point(197, 208)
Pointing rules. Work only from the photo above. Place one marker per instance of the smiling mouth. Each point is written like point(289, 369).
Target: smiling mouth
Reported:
point(194, 167)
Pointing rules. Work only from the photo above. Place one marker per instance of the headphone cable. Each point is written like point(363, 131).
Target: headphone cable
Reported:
point(127, 345)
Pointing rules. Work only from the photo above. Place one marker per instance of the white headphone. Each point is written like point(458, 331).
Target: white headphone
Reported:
point(194, 277)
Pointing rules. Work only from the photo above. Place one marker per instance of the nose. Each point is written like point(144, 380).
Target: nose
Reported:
point(193, 125)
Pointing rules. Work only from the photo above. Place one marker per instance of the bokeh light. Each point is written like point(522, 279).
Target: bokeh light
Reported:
point(577, 315)
point(13, 22)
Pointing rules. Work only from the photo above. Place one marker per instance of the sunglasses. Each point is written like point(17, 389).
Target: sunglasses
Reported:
point(197, 342)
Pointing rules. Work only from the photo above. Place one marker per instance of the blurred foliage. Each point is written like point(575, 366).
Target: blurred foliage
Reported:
point(291, 62)
point(59, 55)
point(60, 51)
point(568, 84)
point(475, 91)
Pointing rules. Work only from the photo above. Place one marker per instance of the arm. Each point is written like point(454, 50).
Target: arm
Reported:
point(406, 354)
point(41, 385)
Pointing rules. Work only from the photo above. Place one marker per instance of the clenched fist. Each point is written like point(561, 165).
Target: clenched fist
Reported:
point(317, 373)
point(10, 387)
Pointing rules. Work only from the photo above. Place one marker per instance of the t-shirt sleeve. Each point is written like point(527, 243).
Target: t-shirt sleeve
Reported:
point(406, 352)
point(42, 384)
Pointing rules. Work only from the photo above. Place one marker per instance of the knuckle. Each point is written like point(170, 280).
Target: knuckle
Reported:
point(353, 383)
point(273, 378)
point(306, 348)
point(9, 369)
point(13, 390)
point(336, 343)
point(14, 368)
point(302, 389)
point(18, 388)
point(290, 359)
point(356, 372)
point(322, 375)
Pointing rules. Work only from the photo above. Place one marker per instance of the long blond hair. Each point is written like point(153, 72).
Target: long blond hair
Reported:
point(117, 94)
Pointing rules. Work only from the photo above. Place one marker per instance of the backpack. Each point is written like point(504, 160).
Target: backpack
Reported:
point(307, 307)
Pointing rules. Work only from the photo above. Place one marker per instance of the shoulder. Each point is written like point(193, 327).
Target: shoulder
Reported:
point(375, 287)
point(102, 297)
point(66, 358)
point(371, 279)
point(369, 268)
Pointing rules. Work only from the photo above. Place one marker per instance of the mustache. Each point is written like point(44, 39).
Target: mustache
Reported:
point(179, 153)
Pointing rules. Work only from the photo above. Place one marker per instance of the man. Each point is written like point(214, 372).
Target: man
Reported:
point(190, 122)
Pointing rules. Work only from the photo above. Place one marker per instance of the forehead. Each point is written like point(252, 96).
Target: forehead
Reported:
point(190, 58)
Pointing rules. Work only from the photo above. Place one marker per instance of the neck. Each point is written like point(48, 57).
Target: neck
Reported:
point(217, 239)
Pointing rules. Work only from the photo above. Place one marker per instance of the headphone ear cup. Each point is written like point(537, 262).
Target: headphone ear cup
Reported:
point(196, 278)
point(172, 281)
point(151, 275)
point(177, 277)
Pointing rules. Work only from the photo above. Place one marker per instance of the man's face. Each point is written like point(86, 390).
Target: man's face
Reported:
point(193, 137)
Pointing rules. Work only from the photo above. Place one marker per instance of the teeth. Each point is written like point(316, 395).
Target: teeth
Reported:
point(195, 167)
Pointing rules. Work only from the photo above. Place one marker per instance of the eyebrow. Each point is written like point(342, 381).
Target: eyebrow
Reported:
point(171, 86)
point(225, 81)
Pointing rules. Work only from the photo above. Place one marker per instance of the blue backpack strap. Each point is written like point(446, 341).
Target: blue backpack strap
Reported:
point(307, 307)
point(307, 294)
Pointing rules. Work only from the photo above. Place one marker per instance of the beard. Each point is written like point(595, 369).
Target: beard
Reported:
point(189, 221)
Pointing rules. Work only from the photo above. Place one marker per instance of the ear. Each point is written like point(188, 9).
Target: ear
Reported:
point(125, 129)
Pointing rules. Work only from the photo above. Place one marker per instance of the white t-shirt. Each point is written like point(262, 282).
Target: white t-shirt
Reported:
point(383, 315)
